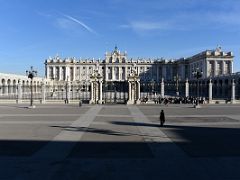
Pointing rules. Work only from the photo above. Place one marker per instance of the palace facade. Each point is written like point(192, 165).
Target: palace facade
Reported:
point(117, 67)
point(120, 79)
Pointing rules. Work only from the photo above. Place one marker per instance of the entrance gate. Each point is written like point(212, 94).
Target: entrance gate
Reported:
point(115, 92)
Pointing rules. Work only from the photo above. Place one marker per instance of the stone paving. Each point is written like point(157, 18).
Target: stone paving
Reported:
point(119, 142)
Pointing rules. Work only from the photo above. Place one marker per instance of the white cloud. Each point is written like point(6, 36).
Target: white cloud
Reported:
point(68, 22)
point(78, 22)
point(65, 23)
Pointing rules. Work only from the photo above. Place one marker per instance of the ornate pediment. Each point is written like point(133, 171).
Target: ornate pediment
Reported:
point(115, 56)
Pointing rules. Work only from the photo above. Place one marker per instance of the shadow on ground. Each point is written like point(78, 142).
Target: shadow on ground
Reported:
point(199, 141)
point(195, 141)
point(131, 160)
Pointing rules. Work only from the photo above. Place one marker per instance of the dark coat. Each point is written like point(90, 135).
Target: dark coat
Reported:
point(162, 118)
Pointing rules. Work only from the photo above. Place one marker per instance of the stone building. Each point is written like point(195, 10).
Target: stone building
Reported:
point(13, 86)
point(139, 77)
point(117, 67)
point(120, 79)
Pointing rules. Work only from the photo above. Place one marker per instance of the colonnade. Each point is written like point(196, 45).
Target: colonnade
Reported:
point(10, 87)
point(218, 88)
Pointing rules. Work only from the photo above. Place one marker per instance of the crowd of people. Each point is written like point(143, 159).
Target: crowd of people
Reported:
point(177, 100)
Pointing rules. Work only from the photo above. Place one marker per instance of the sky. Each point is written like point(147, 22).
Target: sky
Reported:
point(33, 30)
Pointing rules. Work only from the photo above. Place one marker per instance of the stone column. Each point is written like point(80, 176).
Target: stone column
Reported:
point(162, 88)
point(113, 75)
point(223, 67)
point(43, 92)
point(233, 92)
point(74, 72)
point(210, 92)
point(119, 73)
point(138, 92)
point(100, 92)
point(19, 91)
point(60, 73)
point(215, 68)
point(125, 73)
point(129, 93)
point(66, 73)
point(186, 88)
point(91, 100)
point(54, 72)
point(6, 88)
point(47, 75)
point(106, 73)
point(10, 88)
point(231, 67)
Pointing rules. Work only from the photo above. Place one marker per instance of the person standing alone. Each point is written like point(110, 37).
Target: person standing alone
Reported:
point(162, 118)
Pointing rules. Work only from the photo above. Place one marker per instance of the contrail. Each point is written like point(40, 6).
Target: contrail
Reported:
point(81, 23)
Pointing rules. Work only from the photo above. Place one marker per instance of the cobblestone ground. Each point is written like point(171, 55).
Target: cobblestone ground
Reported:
point(119, 142)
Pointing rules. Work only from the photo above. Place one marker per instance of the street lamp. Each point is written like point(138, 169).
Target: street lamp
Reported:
point(31, 74)
point(95, 76)
point(66, 87)
point(177, 78)
point(197, 73)
point(152, 82)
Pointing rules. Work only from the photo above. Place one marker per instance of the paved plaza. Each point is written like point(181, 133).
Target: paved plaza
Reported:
point(119, 142)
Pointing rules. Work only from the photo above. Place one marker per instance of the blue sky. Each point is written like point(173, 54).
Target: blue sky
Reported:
point(31, 30)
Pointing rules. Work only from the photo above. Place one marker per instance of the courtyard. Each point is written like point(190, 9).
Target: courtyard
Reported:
point(119, 142)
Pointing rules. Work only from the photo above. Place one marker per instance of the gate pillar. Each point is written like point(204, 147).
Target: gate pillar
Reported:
point(100, 92)
point(96, 88)
point(233, 92)
point(133, 89)
point(162, 88)
point(186, 88)
point(210, 92)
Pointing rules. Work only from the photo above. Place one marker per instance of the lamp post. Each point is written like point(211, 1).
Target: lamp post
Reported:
point(197, 73)
point(177, 78)
point(152, 82)
point(95, 77)
point(31, 74)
